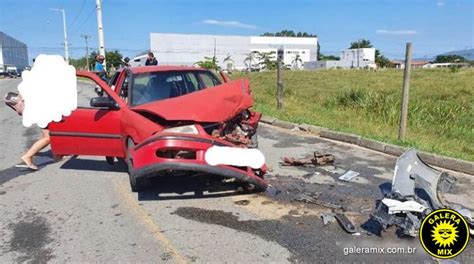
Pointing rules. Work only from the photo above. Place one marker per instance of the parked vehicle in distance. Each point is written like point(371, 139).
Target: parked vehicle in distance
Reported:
point(162, 120)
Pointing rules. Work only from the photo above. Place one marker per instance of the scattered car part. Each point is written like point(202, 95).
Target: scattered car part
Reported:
point(316, 160)
point(328, 218)
point(308, 199)
point(349, 175)
point(395, 206)
point(345, 223)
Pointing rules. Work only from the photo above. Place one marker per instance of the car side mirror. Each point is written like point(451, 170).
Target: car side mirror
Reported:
point(104, 102)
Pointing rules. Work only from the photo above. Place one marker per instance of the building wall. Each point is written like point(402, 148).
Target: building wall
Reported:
point(13, 52)
point(357, 58)
point(182, 49)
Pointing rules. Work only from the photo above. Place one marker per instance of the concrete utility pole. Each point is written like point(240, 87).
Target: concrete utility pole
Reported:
point(405, 92)
point(280, 79)
point(87, 50)
point(100, 29)
point(66, 48)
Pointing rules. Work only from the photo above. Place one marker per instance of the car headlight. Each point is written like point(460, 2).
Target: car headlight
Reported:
point(190, 129)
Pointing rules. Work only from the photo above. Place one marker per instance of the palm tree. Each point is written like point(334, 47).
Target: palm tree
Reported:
point(297, 61)
point(229, 62)
point(249, 59)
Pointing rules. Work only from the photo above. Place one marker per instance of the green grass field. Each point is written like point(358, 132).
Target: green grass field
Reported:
point(441, 107)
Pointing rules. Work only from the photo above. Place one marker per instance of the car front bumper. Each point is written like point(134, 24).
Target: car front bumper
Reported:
point(146, 162)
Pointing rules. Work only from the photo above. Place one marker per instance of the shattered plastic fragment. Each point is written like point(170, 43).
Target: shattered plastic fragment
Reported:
point(328, 218)
point(395, 206)
point(349, 175)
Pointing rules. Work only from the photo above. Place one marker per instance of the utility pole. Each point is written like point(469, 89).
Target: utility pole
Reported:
point(87, 50)
point(100, 30)
point(405, 96)
point(66, 48)
point(280, 79)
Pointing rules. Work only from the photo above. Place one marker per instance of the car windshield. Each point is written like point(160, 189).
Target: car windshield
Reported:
point(154, 86)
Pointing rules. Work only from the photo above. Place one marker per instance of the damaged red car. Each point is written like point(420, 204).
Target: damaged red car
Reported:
point(162, 120)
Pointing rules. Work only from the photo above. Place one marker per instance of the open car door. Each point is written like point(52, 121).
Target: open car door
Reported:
point(94, 127)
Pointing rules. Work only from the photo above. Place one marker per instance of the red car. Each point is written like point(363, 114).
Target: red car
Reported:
point(161, 120)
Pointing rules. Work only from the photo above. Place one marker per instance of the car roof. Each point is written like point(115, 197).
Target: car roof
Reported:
point(144, 69)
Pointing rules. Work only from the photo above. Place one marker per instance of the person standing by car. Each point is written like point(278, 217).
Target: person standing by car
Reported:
point(99, 68)
point(126, 63)
point(15, 101)
point(151, 60)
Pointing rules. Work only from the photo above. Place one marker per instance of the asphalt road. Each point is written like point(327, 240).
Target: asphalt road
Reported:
point(82, 210)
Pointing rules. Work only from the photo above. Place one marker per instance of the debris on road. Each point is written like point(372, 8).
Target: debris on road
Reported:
point(242, 202)
point(316, 160)
point(345, 223)
point(395, 206)
point(328, 218)
point(311, 199)
point(405, 206)
point(349, 175)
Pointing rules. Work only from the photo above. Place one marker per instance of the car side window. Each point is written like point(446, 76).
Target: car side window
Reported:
point(192, 82)
point(86, 90)
point(208, 79)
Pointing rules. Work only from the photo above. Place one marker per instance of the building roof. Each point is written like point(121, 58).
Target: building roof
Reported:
point(415, 63)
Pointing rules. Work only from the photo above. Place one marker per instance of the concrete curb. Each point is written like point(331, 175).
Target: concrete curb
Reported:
point(394, 150)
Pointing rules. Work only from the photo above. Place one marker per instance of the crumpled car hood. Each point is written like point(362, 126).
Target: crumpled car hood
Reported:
point(215, 104)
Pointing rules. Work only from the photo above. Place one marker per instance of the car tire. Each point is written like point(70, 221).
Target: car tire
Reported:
point(136, 184)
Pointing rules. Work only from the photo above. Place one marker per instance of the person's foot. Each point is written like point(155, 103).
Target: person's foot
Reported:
point(27, 162)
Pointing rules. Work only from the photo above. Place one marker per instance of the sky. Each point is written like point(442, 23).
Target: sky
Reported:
point(433, 26)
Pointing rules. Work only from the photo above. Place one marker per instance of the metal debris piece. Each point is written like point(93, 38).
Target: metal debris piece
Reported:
point(328, 218)
point(308, 199)
point(345, 223)
point(395, 206)
point(403, 207)
point(317, 159)
point(349, 175)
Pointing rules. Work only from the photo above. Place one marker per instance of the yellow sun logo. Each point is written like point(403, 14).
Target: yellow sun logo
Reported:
point(444, 234)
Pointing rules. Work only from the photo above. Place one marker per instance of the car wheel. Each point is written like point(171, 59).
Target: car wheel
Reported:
point(136, 184)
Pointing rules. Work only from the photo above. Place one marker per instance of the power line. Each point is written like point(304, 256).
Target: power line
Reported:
point(85, 21)
point(78, 14)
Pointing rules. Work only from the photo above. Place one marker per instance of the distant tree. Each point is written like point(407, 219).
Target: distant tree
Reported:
point(78, 63)
point(289, 33)
point(449, 58)
point(112, 58)
point(360, 44)
point(267, 60)
point(249, 59)
point(208, 63)
point(381, 60)
point(329, 57)
point(229, 62)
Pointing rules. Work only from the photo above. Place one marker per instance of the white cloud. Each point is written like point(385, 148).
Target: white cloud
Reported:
point(228, 24)
point(440, 3)
point(396, 32)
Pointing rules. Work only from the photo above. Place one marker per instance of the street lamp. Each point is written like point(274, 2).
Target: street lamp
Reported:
point(66, 51)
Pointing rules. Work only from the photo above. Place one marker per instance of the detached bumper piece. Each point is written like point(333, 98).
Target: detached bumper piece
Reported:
point(180, 155)
point(404, 206)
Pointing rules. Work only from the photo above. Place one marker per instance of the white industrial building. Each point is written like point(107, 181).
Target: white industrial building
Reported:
point(186, 49)
point(350, 58)
point(13, 53)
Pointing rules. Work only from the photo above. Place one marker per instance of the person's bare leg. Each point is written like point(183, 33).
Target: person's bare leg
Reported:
point(44, 141)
